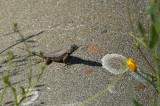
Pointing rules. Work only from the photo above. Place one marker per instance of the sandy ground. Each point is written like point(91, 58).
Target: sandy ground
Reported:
point(50, 25)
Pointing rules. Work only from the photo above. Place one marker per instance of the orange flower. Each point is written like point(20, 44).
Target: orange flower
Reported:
point(132, 64)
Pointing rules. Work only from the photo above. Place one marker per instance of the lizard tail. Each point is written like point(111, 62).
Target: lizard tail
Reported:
point(32, 52)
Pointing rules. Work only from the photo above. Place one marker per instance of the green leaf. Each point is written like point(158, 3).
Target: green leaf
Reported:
point(42, 69)
point(10, 55)
point(41, 54)
point(154, 36)
point(135, 103)
point(23, 91)
point(140, 40)
point(141, 29)
point(149, 76)
point(6, 80)
point(151, 13)
point(15, 27)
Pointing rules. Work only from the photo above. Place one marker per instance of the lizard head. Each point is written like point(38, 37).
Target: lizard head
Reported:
point(73, 47)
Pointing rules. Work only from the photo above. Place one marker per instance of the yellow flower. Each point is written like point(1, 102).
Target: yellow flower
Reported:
point(132, 64)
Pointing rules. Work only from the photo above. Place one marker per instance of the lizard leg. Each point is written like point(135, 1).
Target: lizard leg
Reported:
point(48, 61)
point(65, 60)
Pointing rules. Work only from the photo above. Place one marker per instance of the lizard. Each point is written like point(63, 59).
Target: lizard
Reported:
point(61, 56)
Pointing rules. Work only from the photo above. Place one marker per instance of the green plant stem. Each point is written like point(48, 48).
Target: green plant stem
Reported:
point(15, 96)
point(30, 66)
point(102, 91)
point(3, 93)
point(158, 99)
point(144, 57)
point(157, 66)
point(30, 59)
point(23, 98)
point(40, 75)
point(156, 62)
point(148, 81)
point(154, 99)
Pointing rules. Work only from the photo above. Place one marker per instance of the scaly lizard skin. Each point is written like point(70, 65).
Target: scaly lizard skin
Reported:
point(57, 56)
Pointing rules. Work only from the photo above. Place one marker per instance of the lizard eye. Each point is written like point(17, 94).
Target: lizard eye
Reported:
point(74, 47)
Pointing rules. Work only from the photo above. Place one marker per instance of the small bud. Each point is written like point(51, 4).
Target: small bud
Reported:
point(131, 64)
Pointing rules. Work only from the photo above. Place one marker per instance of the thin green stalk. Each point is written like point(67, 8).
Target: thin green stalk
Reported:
point(29, 53)
point(15, 96)
point(15, 28)
point(157, 65)
point(154, 99)
point(144, 57)
point(23, 98)
point(42, 69)
point(148, 81)
point(30, 78)
point(3, 93)
point(156, 62)
point(102, 91)
point(158, 99)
